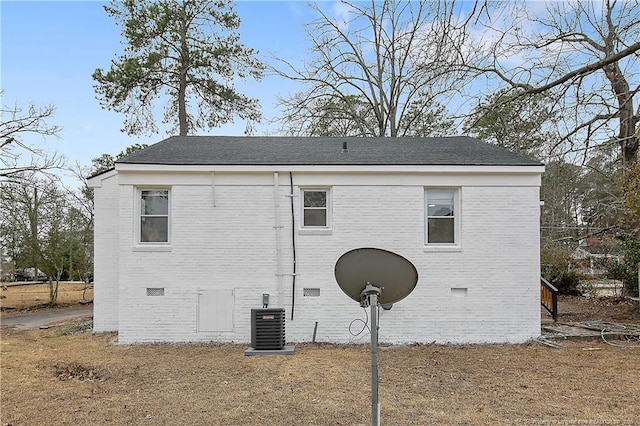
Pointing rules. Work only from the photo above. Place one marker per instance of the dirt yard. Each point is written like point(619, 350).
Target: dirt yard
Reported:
point(610, 309)
point(67, 375)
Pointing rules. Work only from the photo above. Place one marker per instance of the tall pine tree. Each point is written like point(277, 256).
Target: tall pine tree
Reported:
point(185, 54)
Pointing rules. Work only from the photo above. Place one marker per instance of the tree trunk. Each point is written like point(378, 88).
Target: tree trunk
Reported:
point(33, 227)
point(53, 291)
point(627, 138)
point(182, 83)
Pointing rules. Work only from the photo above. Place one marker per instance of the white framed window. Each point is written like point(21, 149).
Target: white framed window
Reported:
point(316, 208)
point(153, 223)
point(442, 217)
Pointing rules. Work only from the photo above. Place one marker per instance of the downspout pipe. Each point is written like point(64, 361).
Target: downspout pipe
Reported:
point(278, 235)
point(293, 245)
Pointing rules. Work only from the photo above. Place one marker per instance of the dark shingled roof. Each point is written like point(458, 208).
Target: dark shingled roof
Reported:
point(267, 150)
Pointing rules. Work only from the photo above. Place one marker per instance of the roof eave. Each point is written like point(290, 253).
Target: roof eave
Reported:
point(350, 168)
point(95, 181)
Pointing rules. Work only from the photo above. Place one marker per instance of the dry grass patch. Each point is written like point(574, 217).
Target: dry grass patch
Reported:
point(80, 378)
point(66, 375)
point(34, 296)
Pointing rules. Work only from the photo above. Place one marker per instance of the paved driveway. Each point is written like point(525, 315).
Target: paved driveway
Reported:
point(46, 317)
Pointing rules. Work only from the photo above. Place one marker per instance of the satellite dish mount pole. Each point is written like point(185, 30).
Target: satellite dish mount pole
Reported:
point(393, 278)
point(369, 297)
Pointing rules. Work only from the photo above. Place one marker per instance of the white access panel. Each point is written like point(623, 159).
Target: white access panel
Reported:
point(215, 310)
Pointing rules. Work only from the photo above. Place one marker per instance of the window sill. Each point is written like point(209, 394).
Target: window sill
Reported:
point(158, 248)
point(310, 231)
point(442, 249)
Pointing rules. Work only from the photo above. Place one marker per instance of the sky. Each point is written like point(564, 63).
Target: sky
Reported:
point(49, 49)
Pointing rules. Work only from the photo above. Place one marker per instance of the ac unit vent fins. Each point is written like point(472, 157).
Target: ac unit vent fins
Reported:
point(267, 329)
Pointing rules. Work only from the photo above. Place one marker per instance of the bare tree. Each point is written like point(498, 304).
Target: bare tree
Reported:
point(586, 52)
point(525, 125)
point(379, 67)
point(327, 117)
point(43, 228)
point(16, 156)
point(22, 210)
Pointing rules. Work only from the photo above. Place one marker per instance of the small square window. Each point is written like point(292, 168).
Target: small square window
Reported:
point(315, 208)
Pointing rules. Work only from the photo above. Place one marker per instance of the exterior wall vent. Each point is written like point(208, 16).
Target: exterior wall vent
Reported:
point(267, 329)
point(311, 292)
point(155, 291)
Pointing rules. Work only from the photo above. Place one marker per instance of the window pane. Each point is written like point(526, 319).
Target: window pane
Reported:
point(315, 217)
point(154, 230)
point(441, 231)
point(315, 198)
point(440, 202)
point(155, 202)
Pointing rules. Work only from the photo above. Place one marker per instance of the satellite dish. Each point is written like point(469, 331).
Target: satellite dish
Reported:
point(394, 275)
point(374, 276)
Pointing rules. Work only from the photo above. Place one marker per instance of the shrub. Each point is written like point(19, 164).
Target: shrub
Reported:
point(555, 261)
point(626, 269)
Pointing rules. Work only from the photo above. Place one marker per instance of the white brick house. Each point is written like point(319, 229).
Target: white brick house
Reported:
point(192, 231)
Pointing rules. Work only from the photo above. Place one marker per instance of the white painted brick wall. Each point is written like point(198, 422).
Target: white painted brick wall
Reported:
point(105, 284)
point(232, 245)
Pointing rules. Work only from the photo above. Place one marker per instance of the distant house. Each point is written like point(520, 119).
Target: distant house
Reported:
point(191, 234)
point(592, 251)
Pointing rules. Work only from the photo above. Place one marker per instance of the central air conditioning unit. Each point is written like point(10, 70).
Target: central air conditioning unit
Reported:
point(267, 329)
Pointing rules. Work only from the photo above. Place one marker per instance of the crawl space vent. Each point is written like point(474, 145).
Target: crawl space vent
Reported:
point(311, 292)
point(155, 291)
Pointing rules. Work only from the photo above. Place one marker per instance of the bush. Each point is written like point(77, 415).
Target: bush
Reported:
point(626, 269)
point(555, 260)
point(567, 282)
